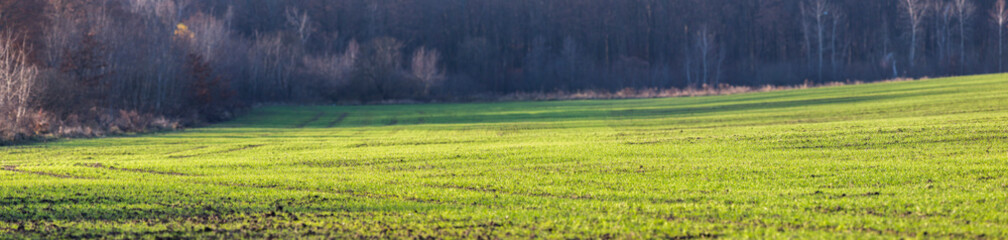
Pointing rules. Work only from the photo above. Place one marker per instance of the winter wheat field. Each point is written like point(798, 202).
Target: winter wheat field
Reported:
point(917, 159)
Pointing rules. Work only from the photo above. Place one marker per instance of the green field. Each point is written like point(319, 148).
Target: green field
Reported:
point(916, 159)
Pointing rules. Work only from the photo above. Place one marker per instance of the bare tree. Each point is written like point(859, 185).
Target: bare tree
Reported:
point(299, 22)
point(60, 34)
point(817, 17)
point(350, 55)
point(707, 56)
point(963, 11)
point(377, 74)
point(339, 66)
point(913, 12)
point(688, 65)
point(806, 28)
point(705, 47)
point(999, 15)
point(836, 17)
point(332, 70)
point(169, 12)
point(271, 57)
point(944, 14)
point(209, 35)
point(424, 67)
point(17, 80)
point(229, 16)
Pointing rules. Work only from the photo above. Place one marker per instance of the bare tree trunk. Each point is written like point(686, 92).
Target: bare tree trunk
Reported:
point(708, 57)
point(913, 12)
point(964, 11)
point(837, 17)
point(999, 16)
point(943, 21)
point(808, 43)
point(704, 52)
point(688, 62)
point(818, 14)
point(820, 38)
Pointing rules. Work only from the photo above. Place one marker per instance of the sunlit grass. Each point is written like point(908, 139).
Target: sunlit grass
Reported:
point(906, 159)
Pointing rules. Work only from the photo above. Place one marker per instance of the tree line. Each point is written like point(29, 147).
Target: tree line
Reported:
point(89, 59)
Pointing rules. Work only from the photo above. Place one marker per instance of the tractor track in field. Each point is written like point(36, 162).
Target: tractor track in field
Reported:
point(497, 191)
point(309, 121)
point(338, 120)
point(102, 166)
point(414, 143)
point(352, 193)
point(15, 169)
point(185, 150)
point(695, 236)
point(250, 146)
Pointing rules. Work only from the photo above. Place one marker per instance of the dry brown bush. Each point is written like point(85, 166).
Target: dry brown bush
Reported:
point(42, 125)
